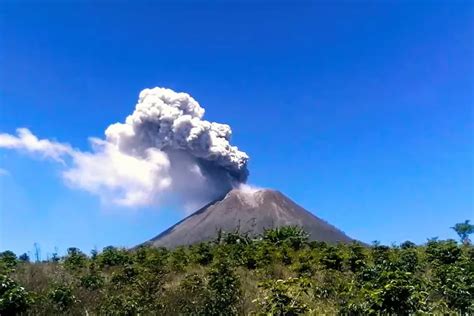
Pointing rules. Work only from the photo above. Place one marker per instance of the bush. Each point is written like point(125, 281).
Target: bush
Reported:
point(24, 257)
point(283, 297)
point(224, 290)
point(14, 299)
point(92, 281)
point(192, 296)
point(277, 273)
point(443, 252)
point(62, 298)
point(112, 256)
point(332, 258)
point(292, 236)
point(357, 258)
point(74, 260)
point(8, 259)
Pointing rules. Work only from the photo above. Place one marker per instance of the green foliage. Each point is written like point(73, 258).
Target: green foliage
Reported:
point(452, 274)
point(442, 252)
point(283, 297)
point(224, 290)
point(24, 257)
point(203, 254)
point(407, 260)
point(112, 256)
point(151, 258)
point(292, 236)
point(61, 297)
point(392, 292)
point(193, 295)
point(14, 299)
point(464, 230)
point(277, 273)
point(357, 258)
point(74, 260)
point(332, 258)
point(92, 281)
point(8, 259)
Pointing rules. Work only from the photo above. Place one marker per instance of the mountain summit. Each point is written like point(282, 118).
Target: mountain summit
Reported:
point(249, 211)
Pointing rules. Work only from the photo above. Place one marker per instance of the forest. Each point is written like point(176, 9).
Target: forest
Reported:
point(278, 272)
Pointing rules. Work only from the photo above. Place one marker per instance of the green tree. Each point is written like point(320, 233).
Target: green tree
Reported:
point(332, 258)
point(464, 230)
point(357, 259)
point(203, 254)
point(293, 236)
point(8, 259)
point(224, 290)
point(75, 259)
point(112, 256)
point(24, 257)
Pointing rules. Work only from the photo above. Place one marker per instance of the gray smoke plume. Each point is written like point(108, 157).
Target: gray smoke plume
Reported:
point(163, 151)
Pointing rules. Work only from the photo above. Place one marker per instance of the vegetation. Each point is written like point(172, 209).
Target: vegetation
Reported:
point(464, 230)
point(278, 273)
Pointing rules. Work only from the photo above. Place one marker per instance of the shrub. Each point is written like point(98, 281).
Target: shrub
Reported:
point(332, 258)
point(62, 297)
point(14, 299)
point(8, 259)
point(224, 290)
point(283, 297)
point(92, 281)
point(357, 258)
point(112, 256)
point(75, 259)
point(192, 296)
point(293, 236)
point(443, 252)
point(24, 257)
point(225, 277)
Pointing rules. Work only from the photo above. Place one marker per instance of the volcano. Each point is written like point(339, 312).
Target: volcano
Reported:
point(248, 211)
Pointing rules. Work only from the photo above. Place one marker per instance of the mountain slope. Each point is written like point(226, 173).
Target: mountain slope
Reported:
point(250, 211)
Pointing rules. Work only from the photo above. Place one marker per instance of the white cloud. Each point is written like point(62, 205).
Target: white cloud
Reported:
point(26, 141)
point(117, 177)
point(163, 151)
point(4, 172)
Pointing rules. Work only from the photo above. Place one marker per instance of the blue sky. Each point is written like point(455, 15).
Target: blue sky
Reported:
point(362, 112)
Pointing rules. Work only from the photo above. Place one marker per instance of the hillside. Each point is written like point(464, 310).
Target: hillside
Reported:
point(248, 211)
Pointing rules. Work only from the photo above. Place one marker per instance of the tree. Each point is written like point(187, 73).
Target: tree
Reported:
point(293, 236)
point(112, 256)
point(8, 258)
point(75, 259)
point(224, 287)
point(357, 257)
point(24, 257)
point(464, 230)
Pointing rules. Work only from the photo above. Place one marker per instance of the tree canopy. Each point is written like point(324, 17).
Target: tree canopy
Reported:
point(277, 273)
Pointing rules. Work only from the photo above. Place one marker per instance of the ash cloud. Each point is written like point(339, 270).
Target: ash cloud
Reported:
point(164, 151)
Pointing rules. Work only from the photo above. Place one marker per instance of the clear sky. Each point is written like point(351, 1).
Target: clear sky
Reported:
point(362, 112)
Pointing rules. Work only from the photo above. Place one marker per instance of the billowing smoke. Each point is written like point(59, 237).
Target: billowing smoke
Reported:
point(163, 152)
